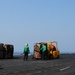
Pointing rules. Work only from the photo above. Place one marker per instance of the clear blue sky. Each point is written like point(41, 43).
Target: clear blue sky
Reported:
point(31, 21)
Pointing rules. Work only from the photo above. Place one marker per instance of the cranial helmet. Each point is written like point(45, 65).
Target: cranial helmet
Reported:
point(26, 44)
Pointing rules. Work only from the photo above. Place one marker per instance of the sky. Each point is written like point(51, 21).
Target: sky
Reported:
point(32, 21)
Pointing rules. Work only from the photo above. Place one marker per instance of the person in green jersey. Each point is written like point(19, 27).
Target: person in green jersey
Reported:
point(43, 48)
point(26, 51)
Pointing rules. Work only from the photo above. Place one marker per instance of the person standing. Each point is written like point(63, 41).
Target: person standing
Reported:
point(43, 48)
point(26, 51)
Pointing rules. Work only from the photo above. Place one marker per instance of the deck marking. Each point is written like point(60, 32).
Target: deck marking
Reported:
point(65, 68)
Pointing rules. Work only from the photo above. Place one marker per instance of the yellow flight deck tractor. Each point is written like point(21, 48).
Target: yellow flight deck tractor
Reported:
point(51, 48)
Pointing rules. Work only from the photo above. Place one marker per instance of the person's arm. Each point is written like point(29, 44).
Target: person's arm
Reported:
point(28, 50)
point(41, 48)
point(24, 50)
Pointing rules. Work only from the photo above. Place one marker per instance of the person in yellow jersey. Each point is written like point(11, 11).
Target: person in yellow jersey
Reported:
point(26, 51)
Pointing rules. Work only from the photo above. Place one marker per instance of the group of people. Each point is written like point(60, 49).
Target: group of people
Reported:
point(43, 51)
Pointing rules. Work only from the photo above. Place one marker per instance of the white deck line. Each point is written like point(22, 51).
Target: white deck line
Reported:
point(65, 68)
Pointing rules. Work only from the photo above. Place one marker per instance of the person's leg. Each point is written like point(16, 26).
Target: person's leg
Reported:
point(43, 55)
point(26, 55)
point(46, 55)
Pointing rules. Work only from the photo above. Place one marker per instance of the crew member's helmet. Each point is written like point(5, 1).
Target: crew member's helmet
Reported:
point(26, 44)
